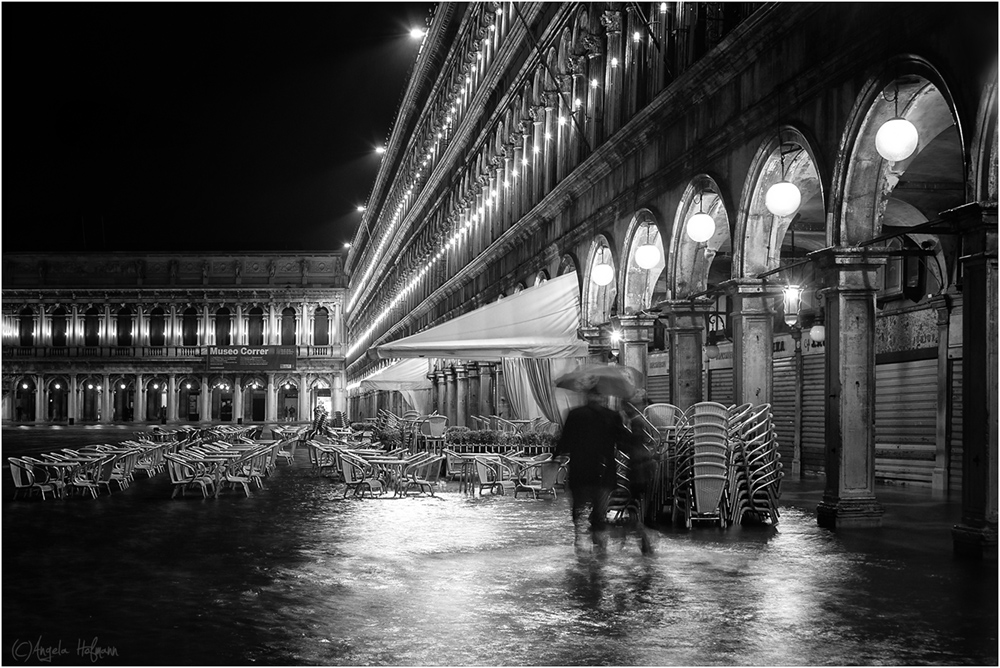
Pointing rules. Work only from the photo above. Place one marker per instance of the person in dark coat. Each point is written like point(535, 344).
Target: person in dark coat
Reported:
point(641, 465)
point(588, 439)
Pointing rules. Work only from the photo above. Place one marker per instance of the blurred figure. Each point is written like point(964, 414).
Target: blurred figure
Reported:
point(641, 465)
point(588, 439)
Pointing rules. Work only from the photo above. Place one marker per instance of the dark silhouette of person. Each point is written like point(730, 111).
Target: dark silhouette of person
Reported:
point(588, 439)
point(641, 468)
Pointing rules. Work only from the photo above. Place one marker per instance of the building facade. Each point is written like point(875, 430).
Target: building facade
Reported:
point(692, 163)
point(172, 337)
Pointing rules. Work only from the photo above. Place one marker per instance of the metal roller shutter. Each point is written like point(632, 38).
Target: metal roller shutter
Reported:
point(905, 421)
point(813, 454)
point(955, 427)
point(783, 406)
point(658, 389)
point(720, 386)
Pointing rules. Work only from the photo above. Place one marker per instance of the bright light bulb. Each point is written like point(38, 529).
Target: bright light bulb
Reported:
point(897, 139)
point(614, 62)
point(417, 33)
point(24, 386)
point(647, 256)
point(602, 274)
point(536, 149)
point(636, 36)
point(783, 198)
point(548, 136)
point(818, 333)
point(360, 208)
point(700, 227)
point(524, 161)
point(593, 83)
point(57, 386)
point(562, 120)
point(380, 149)
point(90, 386)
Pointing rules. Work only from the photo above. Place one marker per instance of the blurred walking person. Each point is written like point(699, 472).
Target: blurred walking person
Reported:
point(588, 440)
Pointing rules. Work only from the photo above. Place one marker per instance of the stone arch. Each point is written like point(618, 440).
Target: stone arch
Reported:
point(639, 285)
point(759, 235)
point(863, 182)
point(599, 300)
point(983, 176)
point(567, 264)
point(692, 265)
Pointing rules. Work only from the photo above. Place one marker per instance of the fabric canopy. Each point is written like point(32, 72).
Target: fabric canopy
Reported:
point(405, 375)
point(540, 321)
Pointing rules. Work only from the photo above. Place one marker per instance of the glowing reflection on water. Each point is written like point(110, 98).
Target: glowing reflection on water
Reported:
point(298, 575)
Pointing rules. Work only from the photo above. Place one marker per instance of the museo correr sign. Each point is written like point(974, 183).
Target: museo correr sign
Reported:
point(251, 358)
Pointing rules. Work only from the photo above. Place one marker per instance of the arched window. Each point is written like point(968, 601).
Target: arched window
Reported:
point(223, 327)
point(321, 327)
point(92, 327)
point(288, 327)
point(189, 327)
point(124, 322)
point(59, 327)
point(26, 327)
point(255, 326)
point(157, 327)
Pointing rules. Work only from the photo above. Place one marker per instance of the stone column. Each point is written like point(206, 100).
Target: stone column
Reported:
point(74, 400)
point(849, 499)
point(685, 324)
point(172, 398)
point(239, 326)
point(140, 337)
point(207, 327)
point(304, 410)
point(172, 328)
point(105, 401)
point(473, 399)
point(272, 337)
point(205, 411)
point(139, 402)
point(976, 534)
point(271, 401)
point(615, 66)
point(462, 396)
point(485, 405)
point(440, 391)
point(753, 339)
point(598, 343)
point(637, 334)
point(237, 398)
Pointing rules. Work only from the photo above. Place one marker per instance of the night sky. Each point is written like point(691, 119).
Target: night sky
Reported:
point(196, 126)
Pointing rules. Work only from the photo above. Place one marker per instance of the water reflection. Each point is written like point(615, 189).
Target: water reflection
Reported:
point(296, 575)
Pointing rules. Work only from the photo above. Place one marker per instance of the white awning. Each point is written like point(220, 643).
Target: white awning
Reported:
point(404, 375)
point(541, 321)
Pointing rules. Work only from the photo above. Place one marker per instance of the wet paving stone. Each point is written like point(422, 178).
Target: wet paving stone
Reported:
point(297, 575)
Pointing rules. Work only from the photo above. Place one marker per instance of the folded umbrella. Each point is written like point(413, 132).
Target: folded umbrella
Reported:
point(609, 380)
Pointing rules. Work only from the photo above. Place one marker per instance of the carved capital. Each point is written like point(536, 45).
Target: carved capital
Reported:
point(593, 45)
point(551, 99)
point(612, 21)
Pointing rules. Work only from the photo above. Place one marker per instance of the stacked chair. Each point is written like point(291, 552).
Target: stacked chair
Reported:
point(754, 484)
point(702, 462)
point(725, 465)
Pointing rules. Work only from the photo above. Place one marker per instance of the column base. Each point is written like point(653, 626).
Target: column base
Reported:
point(850, 513)
point(975, 542)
